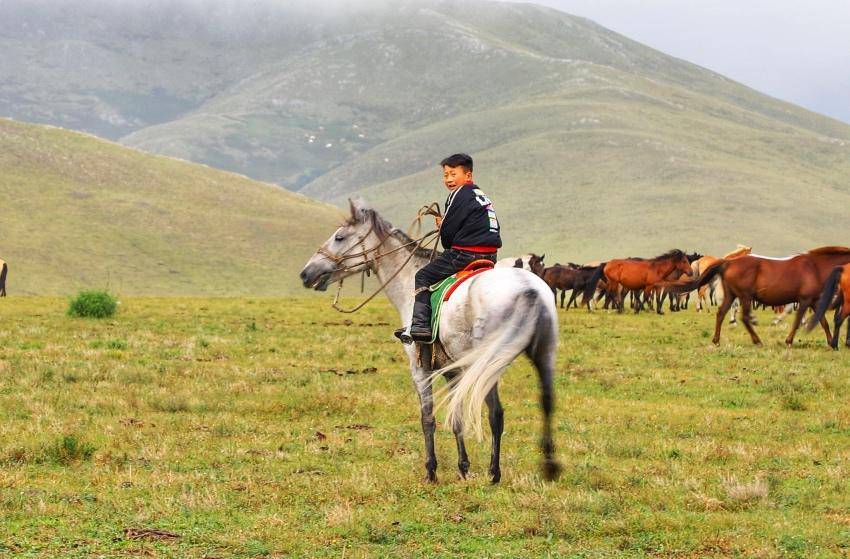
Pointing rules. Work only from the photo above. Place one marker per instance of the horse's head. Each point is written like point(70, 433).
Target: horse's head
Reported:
point(682, 262)
point(535, 263)
point(346, 252)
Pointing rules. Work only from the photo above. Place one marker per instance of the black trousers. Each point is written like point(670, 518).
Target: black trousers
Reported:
point(449, 262)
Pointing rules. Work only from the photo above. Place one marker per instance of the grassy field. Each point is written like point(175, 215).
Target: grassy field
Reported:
point(277, 427)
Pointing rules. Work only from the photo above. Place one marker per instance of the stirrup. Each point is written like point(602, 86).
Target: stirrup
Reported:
point(404, 335)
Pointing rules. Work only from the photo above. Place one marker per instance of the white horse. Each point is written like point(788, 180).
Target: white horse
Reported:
point(489, 320)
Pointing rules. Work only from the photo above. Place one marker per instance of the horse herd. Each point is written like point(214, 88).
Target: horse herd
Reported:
point(816, 280)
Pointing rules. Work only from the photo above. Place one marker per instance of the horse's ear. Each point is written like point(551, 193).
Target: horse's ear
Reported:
point(358, 210)
point(542, 258)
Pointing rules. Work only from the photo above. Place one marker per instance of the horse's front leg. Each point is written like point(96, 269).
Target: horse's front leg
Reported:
point(429, 423)
point(497, 427)
point(457, 429)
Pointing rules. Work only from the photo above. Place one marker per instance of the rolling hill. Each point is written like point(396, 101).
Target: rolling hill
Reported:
point(80, 212)
point(591, 145)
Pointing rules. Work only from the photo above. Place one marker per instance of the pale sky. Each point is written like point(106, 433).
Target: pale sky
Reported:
point(795, 50)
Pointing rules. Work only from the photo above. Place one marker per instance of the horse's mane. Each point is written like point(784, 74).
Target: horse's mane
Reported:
point(384, 229)
point(830, 250)
point(674, 254)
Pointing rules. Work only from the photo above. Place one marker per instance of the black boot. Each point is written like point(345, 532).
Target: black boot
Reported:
point(420, 326)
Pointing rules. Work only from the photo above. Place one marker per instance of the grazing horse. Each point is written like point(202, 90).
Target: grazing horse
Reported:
point(638, 274)
point(835, 294)
point(4, 269)
point(773, 282)
point(530, 262)
point(488, 321)
point(570, 277)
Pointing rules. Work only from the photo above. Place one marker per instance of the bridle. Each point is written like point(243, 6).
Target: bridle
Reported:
point(372, 256)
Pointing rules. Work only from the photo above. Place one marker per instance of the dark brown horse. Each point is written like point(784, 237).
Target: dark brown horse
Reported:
point(835, 294)
point(4, 268)
point(773, 282)
point(570, 277)
point(638, 274)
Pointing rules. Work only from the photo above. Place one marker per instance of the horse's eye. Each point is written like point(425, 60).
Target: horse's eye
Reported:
point(339, 238)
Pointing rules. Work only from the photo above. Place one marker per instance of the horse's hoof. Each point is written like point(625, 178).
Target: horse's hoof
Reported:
point(551, 470)
point(495, 477)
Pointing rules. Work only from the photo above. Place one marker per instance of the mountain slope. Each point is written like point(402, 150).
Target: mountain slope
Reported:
point(83, 212)
point(591, 145)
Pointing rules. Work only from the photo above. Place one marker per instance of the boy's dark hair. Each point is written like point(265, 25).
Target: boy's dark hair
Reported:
point(458, 160)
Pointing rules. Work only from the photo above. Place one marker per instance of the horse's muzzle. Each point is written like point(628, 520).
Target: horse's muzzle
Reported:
point(313, 277)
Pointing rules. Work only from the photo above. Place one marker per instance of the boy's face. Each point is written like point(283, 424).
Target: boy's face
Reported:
point(455, 177)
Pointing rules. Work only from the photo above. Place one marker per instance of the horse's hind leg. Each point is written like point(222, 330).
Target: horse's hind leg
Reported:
point(544, 360)
point(837, 320)
point(462, 458)
point(497, 426)
point(798, 318)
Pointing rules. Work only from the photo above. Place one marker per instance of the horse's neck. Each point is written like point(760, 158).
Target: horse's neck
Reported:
point(399, 289)
point(665, 268)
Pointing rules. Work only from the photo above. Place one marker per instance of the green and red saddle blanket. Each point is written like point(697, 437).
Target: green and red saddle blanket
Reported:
point(441, 291)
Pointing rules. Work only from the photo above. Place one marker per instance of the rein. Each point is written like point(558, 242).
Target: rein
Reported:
point(370, 262)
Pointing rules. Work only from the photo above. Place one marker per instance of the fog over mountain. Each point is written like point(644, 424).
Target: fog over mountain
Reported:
point(565, 118)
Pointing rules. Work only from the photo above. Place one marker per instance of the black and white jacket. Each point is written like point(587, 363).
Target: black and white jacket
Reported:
point(469, 221)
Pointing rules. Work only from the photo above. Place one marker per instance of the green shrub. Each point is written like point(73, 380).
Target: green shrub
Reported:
point(94, 304)
point(68, 449)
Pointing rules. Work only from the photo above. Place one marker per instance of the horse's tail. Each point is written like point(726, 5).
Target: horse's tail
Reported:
point(3, 270)
point(481, 369)
point(826, 297)
point(590, 288)
point(705, 277)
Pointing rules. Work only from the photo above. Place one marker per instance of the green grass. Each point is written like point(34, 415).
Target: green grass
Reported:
point(269, 427)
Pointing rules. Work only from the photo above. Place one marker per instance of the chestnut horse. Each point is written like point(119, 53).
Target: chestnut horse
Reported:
point(836, 293)
point(773, 282)
point(637, 274)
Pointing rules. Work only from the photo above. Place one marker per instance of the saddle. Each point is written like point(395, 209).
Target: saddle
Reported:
point(441, 291)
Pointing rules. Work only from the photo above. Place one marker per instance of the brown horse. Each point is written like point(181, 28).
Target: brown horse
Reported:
point(637, 274)
point(4, 268)
point(570, 277)
point(773, 282)
point(836, 293)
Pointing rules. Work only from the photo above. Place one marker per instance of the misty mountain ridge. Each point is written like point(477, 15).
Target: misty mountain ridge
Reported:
point(565, 118)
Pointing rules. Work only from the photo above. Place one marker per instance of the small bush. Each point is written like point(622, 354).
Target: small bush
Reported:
point(93, 304)
point(68, 449)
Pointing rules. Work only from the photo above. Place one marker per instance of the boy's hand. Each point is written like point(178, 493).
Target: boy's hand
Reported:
point(439, 221)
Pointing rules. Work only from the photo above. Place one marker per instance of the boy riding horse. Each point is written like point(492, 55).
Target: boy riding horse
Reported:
point(469, 230)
